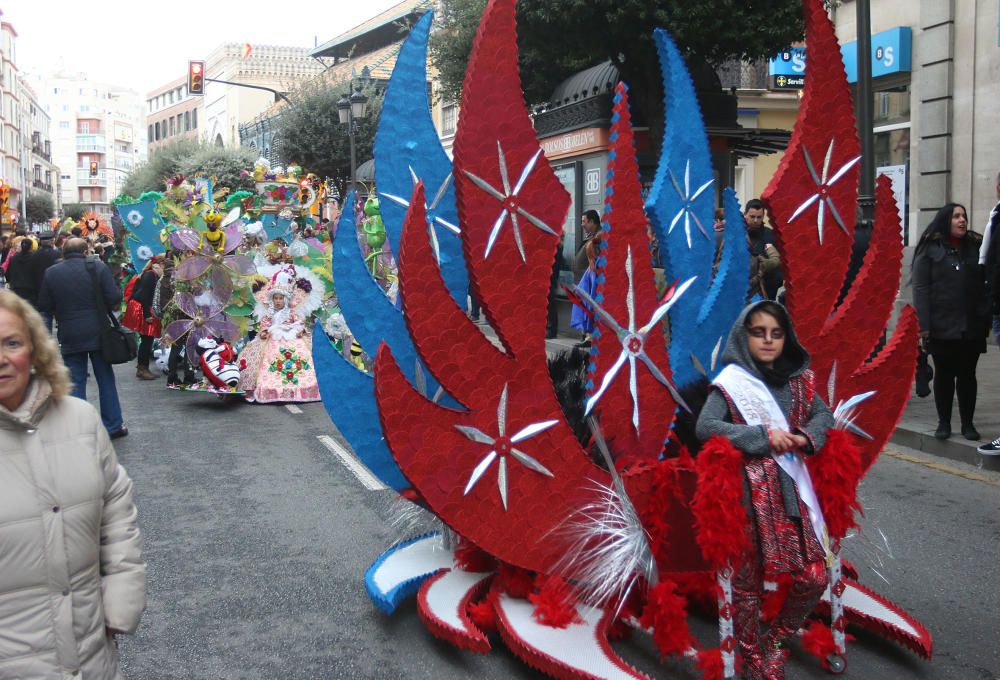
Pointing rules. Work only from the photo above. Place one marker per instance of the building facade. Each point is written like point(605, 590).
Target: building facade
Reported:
point(171, 114)
point(11, 141)
point(41, 173)
point(763, 107)
point(935, 69)
point(98, 136)
point(224, 107)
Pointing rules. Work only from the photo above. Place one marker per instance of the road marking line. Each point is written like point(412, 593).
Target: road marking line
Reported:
point(292, 408)
point(356, 467)
point(941, 467)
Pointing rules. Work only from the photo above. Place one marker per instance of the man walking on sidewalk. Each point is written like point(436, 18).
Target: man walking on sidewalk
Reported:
point(989, 258)
point(69, 294)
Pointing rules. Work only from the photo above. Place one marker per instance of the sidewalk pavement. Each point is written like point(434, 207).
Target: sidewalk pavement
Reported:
point(916, 428)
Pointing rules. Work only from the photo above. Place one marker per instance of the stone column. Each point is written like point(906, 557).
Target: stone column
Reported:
point(933, 97)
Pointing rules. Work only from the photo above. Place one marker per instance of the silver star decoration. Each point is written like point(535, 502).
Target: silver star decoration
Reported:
point(633, 342)
point(432, 217)
point(509, 200)
point(846, 411)
point(421, 383)
point(502, 447)
point(823, 184)
point(688, 200)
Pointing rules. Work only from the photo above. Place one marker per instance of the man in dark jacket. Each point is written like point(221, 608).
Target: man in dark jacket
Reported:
point(591, 225)
point(68, 293)
point(21, 272)
point(45, 257)
point(989, 258)
point(765, 263)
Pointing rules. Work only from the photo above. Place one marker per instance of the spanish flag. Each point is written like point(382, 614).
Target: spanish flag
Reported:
point(247, 49)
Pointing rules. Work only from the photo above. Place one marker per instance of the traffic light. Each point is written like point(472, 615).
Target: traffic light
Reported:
point(196, 77)
point(4, 196)
point(93, 168)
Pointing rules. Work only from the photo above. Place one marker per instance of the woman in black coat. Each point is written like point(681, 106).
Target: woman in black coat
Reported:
point(950, 297)
point(21, 272)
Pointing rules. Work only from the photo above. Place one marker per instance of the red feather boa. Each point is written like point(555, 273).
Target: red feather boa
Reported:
point(818, 641)
point(666, 614)
point(471, 558)
point(483, 613)
point(515, 581)
point(555, 605)
point(721, 518)
point(710, 664)
point(836, 472)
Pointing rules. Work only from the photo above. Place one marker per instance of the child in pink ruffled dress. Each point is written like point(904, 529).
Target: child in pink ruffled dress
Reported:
point(277, 365)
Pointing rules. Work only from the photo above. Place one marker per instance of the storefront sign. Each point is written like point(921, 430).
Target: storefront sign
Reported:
point(891, 53)
point(788, 82)
point(791, 62)
point(788, 69)
point(575, 143)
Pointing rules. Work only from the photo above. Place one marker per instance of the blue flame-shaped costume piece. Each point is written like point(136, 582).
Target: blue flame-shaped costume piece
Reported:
point(143, 225)
point(407, 148)
point(276, 227)
point(681, 208)
point(406, 145)
point(349, 394)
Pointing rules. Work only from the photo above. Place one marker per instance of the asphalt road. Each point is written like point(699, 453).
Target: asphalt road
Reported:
point(257, 538)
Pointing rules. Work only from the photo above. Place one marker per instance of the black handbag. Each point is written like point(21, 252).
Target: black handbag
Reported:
point(925, 374)
point(117, 344)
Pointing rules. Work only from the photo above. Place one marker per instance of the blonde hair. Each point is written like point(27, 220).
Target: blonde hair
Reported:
point(45, 356)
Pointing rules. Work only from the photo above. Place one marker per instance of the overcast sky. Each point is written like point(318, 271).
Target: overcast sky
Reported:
point(142, 44)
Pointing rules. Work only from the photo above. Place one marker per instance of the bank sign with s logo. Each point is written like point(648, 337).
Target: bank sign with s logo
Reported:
point(789, 62)
point(891, 53)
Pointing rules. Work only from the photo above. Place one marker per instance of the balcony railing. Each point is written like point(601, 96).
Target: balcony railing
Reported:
point(744, 76)
point(39, 151)
point(39, 184)
point(91, 143)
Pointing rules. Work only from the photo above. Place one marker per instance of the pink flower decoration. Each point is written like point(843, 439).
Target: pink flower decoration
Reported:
point(220, 267)
point(206, 319)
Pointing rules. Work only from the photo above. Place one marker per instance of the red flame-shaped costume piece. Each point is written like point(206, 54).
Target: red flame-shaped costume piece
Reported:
point(509, 470)
point(812, 200)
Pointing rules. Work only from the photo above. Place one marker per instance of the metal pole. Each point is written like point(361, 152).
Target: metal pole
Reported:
point(354, 160)
point(278, 95)
point(866, 190)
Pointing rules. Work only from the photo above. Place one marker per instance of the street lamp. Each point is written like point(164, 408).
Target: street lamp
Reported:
point(349, 110)
point(866, 193)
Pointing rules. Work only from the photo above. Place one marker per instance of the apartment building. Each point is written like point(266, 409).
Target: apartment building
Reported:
point(171, 114)
point(98, 136)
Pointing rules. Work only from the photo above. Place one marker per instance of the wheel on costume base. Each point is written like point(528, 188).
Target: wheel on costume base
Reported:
point(837, 664)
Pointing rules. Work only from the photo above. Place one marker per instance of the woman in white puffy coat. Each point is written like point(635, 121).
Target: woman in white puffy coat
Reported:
point(71, 571)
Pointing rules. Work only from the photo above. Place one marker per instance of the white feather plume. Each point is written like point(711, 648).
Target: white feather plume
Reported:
point(609, 549)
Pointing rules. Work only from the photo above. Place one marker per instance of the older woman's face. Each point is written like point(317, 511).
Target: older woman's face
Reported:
point(959, 223)
point(15, 359)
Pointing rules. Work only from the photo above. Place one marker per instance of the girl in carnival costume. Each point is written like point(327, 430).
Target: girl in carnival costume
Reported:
point(278, 365)
point(765, 404)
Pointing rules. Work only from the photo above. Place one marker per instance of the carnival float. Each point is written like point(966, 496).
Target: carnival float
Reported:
point(564, 520)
